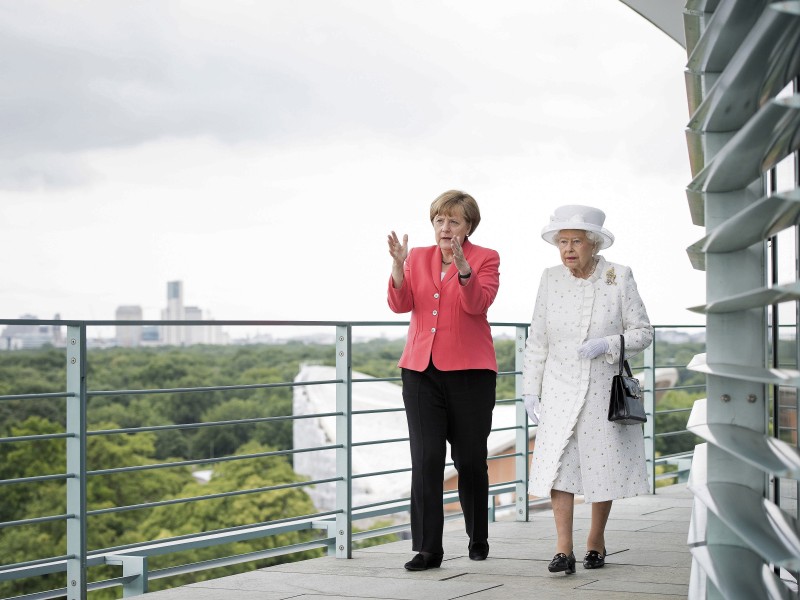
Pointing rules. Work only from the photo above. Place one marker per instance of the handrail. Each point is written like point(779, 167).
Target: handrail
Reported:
point(329, 523)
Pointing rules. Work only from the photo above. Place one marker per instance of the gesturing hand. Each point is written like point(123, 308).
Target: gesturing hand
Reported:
point(458, 256)
point(398, 251)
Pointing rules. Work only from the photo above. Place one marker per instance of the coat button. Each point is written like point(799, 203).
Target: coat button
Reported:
point(436, 312)
point(433, 329)
point(436, 295)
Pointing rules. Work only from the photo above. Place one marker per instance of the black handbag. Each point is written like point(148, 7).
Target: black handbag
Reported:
point(627, 405)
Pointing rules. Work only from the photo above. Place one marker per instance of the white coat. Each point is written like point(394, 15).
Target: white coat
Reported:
point(575, 392)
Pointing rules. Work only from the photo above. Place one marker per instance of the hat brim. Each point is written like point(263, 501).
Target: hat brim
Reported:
point(607, 238)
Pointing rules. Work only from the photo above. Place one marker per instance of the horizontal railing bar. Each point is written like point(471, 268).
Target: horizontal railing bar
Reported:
point(500, 456)
point(374, 379)
point(511, 428)
point(48, 595)
point(205, 461)
point(210, 388)
point(509, 401)
point(33, 438)
point(209, 424)
point(667, 457)
point(209, 323)
point(36, 520)
point(376, 442)
point(672, 433)
point(271, 488)
point(376, 410)
point(670, 475)
point(364, 507)
point(397, 378)
point(669, 411)
point(181, 538)
point(159, 547)
point(503, 487)
point(53, 477)
point(449, 497)
point(377, 473)
point(105, 584)
point(680, 387)
point(389, 530)
point(48, 563)
point(237, 559)
point(38, 396)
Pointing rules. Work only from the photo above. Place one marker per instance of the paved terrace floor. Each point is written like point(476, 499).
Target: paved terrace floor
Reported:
point(646, 538)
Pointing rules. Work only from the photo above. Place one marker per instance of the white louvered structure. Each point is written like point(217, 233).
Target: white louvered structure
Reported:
point(741, 79)
point(743, 137)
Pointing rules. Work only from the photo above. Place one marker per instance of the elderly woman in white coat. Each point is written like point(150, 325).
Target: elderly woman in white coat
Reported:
point(572, 352)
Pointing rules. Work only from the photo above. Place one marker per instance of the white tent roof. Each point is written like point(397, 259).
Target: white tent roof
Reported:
point(368, 395)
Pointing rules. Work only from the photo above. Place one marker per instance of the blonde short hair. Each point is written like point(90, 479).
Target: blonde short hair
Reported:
point(446, 204)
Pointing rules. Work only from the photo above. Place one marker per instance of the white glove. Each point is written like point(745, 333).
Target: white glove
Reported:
point(592, 348)
point(533, 407)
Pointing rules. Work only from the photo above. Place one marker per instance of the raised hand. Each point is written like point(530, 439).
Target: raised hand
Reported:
point(398, 251)
point(458, 256)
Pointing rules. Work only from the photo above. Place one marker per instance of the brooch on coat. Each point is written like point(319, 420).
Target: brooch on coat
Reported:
point(611, 277)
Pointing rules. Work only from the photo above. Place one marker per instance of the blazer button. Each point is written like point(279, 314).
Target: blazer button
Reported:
point(433, 329)
point(436, 295)
point(436, 312)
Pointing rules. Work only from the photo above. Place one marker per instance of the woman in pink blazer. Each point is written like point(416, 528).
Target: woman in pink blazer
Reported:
point(449, 371)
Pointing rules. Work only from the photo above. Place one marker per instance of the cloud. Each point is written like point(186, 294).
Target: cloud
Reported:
point(37, 171)
point(91, 77)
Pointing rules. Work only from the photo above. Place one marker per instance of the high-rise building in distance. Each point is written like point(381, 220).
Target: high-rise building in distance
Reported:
point(129, 335)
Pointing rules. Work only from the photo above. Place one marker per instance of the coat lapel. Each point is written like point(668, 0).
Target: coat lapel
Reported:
point(436, 268)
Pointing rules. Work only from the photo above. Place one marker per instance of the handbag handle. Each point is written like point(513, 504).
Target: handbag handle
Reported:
point(622, 360)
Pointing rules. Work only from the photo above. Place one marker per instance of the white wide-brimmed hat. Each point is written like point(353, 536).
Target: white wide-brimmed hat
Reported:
point(576, 216)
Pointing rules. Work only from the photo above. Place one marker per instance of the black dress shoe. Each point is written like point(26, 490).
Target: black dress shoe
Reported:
point(562, 562)
point(479, 551)
point(420, 563)
point(594, 559)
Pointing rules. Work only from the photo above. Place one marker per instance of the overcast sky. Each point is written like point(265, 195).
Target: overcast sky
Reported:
point(261, 151)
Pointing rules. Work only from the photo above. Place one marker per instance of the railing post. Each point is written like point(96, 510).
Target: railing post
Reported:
point(344, 458)
point(522, 460)
point(650, 409)
point(76, 462)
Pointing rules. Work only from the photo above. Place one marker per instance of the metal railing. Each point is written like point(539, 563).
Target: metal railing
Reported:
point(332, 530)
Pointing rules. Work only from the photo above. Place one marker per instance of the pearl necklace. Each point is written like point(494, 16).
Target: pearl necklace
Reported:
point(590, 273)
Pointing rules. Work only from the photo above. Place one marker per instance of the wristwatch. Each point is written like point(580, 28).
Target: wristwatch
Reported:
point(467, 276)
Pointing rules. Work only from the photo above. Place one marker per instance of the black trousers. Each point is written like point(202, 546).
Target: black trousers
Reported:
point(452, 406)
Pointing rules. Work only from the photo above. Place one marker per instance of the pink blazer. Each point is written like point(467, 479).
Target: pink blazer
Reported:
point(448, 320)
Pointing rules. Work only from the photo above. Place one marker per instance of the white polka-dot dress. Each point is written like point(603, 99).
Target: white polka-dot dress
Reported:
point(577, 449)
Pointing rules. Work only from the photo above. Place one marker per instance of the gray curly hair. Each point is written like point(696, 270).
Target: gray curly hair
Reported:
point(595, 239)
